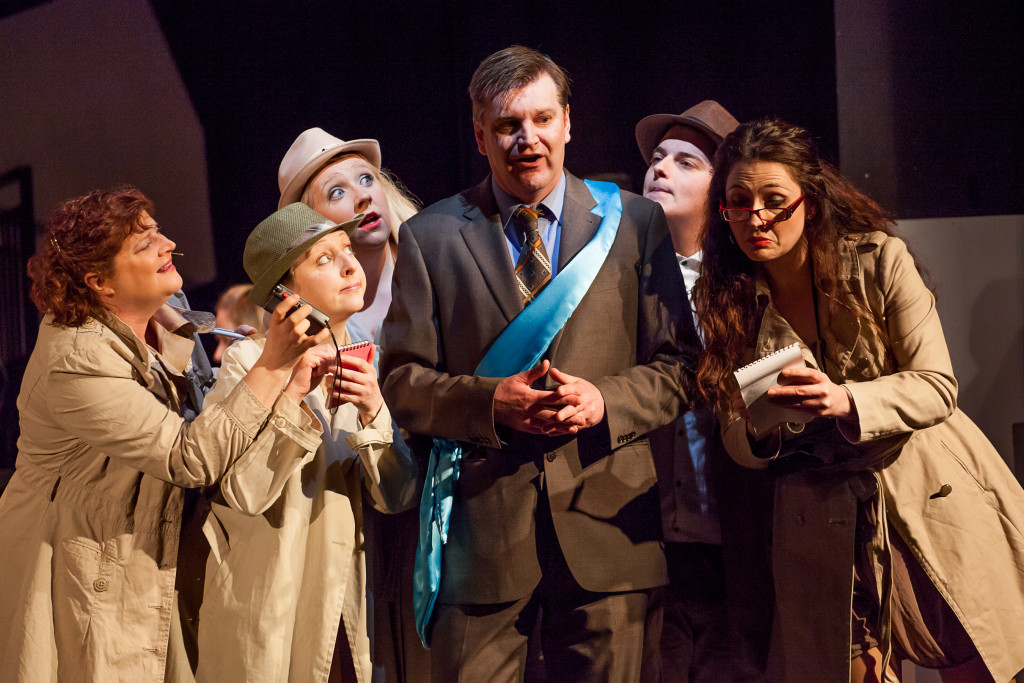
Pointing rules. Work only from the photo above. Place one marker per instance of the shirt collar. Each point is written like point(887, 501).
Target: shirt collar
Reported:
point(171, 318)
point(693, 262)
point(174, 348)
point(552, 202)
point(698, 257)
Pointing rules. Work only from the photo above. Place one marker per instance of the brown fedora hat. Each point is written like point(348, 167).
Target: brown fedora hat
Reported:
point(310, 152)
point(708, 117)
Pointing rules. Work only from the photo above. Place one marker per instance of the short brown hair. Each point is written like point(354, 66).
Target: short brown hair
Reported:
point(511, 69)
point(83, 236)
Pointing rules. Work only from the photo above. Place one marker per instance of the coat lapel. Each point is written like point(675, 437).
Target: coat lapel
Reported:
point(486, 243)
point(843, 328)
point(578, 224)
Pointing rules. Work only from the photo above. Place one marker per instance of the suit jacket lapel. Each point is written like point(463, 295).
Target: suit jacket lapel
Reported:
point(578, 227)
point(578, 224)
point(486, 242)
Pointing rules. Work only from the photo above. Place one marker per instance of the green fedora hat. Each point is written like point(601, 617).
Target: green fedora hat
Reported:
point(279, 240)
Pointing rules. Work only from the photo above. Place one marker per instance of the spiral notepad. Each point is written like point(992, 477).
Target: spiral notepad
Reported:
point(756, 378)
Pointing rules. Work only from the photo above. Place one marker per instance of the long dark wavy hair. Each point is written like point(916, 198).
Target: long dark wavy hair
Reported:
point(725, 293)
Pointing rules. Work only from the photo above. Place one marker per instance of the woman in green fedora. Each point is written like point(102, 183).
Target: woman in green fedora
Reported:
point(340, 179)
point(285, 595)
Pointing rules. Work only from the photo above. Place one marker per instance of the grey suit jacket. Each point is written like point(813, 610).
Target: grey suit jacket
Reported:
point(631, 335)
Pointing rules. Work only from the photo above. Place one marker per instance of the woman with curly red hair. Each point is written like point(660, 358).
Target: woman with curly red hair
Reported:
point(896, 530)
point(91, 518)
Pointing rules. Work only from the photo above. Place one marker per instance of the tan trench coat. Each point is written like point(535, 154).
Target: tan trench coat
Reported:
point(89, 522)
point(970, 542)
point(286, 565)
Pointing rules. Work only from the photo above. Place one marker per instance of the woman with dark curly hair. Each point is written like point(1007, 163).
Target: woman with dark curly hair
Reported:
point(90, 520)
point(897, 530)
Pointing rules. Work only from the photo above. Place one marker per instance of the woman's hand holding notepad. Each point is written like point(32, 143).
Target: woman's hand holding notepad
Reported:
point(755, 379)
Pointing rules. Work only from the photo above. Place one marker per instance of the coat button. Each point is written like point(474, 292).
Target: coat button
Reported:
point(550, 457)
point(99, 585)
point(945, 490)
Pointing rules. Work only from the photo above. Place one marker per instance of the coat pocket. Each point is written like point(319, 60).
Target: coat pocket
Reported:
point(616, 481)
point(968, 474)
point(84, 578)
point(226, 531)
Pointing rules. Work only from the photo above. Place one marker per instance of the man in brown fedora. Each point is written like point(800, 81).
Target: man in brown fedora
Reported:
point(554, 506)
point(678, 150)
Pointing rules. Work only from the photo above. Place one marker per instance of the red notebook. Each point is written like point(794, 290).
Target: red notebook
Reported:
point(361, 349)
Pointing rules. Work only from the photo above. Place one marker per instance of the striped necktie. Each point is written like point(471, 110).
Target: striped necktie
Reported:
point(533, 270)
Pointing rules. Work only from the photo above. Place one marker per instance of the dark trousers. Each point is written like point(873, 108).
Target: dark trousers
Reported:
point(694, 641)
point(584, 636)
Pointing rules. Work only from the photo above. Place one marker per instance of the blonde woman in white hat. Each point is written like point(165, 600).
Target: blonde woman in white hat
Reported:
point(285, 589)
point(340, 179)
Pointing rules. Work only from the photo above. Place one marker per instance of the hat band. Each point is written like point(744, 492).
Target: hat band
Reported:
point(681, 131)
point(310, 232)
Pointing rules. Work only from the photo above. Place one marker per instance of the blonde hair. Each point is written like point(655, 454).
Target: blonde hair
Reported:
point(402, 204)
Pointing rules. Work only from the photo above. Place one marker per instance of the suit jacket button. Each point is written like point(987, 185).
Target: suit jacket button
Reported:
point(550, 457)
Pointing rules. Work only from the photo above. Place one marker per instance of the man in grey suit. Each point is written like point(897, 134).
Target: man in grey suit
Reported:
point(555, 515)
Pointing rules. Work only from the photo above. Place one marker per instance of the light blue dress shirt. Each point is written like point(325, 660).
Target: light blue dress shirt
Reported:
point(549, 220)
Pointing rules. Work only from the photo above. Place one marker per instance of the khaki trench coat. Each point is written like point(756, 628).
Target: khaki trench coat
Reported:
point(89, 523)
point(968, 539)
point(286, 566)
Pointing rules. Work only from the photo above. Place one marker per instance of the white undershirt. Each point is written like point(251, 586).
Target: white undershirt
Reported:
point(691, 267)
point(367, 322)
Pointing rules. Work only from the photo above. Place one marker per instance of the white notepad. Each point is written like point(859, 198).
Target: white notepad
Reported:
point(756, 378)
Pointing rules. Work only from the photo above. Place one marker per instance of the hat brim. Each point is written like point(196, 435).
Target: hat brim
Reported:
point(262, 285)
point(370, 149)
point(651, 128)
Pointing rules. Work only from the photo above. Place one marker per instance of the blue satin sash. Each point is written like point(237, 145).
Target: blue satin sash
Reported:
point(519, 347)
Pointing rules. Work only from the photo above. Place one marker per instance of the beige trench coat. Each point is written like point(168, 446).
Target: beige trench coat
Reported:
point(89, 522)
point(286, 565)
point(970, 541)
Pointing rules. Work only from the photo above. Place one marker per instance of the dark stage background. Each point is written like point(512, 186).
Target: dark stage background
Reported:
point(260, 73)
point(398, 72)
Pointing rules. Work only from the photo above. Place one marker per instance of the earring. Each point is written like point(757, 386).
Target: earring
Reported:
point(732, 238)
